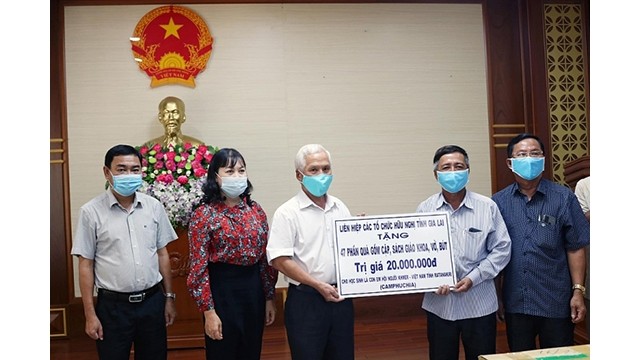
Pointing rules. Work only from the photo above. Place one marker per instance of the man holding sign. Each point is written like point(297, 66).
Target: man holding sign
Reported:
point(482, 248)
point(318, 320)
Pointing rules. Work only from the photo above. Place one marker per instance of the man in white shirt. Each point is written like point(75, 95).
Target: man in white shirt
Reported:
point(120, 241)
point(319, 322)
point(583, 192)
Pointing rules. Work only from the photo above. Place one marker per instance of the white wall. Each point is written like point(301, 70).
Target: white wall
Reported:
point(381, 86)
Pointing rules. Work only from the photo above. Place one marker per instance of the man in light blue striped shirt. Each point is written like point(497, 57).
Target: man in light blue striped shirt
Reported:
point(481, 249)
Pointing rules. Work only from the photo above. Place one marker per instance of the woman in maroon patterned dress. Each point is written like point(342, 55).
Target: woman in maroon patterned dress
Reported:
point(229, 277)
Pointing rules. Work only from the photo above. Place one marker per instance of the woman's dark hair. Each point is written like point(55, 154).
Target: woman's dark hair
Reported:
point(226, 157)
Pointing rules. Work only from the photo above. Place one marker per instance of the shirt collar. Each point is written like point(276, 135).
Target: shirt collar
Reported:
point(113, 201)
point(465, 201)
point(305, 202)
point(224, 208)
point(111, 197)
point(543, 187)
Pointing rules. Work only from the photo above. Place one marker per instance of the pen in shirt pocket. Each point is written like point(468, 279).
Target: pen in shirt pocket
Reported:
point(474, 230)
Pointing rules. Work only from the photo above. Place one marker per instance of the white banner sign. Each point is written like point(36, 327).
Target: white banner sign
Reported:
point(393, 254)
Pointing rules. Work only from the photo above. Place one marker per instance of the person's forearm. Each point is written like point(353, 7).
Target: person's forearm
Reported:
point(292, 270)
point(577, 265)
point(85, 271)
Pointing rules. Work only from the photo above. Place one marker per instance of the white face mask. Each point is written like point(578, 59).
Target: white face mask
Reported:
point(233, 186)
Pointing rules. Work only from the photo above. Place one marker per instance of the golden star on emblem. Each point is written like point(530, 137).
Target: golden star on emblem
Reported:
point(171, 29)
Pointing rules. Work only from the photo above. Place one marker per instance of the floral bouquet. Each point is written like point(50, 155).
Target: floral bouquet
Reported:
point(174, 176)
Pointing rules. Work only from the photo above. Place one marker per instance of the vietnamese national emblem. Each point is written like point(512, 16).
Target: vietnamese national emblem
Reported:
point(172, 44)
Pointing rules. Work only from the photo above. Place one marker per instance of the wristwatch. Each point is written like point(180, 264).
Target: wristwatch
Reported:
point(579, 287)
point(170, 295)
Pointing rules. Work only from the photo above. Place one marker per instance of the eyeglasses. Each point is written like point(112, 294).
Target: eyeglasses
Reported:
point(535, 153)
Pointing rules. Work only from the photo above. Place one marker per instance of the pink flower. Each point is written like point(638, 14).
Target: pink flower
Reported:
point(202, 149)
point(182, 179)
point(159, 165)
point(144, 150)
point(200, 172)
point(170, 164)
point(157, 147)
point(165, 178)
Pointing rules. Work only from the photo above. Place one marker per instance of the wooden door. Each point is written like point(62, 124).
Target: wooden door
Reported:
point(188, 329)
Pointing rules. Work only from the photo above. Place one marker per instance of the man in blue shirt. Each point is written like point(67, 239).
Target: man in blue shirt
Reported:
point(481, 249)
point(543, 285)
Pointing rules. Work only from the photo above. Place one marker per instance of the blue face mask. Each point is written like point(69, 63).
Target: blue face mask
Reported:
point(317, 185)
point(233, 186)
point(528, 167)
point(126, 184)
point(453, 181)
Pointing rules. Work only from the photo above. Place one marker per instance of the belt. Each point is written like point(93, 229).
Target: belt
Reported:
point(134, 297)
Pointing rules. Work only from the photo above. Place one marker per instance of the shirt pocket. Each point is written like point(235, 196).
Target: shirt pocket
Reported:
point(546, 237)
point(150, 235)
point(473, 246)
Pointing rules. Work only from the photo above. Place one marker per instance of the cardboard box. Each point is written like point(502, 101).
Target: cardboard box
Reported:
point(577, 352)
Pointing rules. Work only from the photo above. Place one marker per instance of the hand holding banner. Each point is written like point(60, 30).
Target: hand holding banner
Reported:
point(393, 254)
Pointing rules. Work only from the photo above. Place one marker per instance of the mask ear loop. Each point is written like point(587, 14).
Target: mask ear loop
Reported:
point(109, 179)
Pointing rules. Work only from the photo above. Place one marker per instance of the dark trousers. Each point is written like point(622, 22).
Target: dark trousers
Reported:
point(141, 324)
point(317, 329)
point(240, 303)
point(478, 337)
point(522, 331)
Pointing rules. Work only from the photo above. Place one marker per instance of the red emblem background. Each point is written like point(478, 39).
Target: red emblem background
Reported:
point(172, 44)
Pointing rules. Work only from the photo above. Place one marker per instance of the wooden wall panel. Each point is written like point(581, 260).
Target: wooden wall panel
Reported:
point(566, 66)
point(60, 269)
point(507, 106)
